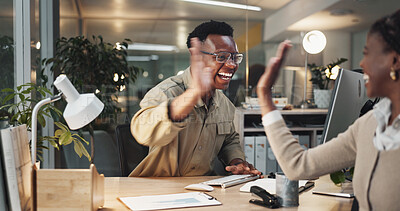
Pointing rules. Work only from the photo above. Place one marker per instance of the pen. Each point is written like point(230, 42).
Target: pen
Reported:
point(307, 186)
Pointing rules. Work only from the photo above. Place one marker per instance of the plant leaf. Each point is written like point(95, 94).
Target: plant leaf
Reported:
point(7, 90)
point(41, 120)
point(78, 137)
point(8, 97)
point(58, 133)
point(78, 148)
point(61, 126)
point(338, 177)
point(65, 138)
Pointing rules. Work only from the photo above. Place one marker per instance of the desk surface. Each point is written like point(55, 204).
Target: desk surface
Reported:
point(231, 198)
point(295, 111)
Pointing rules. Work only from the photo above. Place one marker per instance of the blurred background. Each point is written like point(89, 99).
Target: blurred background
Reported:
point(29, 29)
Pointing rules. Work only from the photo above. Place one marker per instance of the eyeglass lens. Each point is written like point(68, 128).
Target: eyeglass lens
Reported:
point(222, 57)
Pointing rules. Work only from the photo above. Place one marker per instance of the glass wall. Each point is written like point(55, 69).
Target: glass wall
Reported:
point(142, 25)
point(6, 48)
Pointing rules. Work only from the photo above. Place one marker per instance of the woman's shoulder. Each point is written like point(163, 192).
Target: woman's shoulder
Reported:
point(366, 122)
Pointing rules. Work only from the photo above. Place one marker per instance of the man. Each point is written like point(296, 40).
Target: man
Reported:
point(188, 123)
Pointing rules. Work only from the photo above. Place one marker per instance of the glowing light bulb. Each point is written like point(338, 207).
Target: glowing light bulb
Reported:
point(334, 72)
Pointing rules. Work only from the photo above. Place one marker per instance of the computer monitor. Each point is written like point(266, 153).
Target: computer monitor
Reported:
point(348, 97)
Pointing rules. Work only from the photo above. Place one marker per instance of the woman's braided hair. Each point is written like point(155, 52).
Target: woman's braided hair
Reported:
point(389, 28)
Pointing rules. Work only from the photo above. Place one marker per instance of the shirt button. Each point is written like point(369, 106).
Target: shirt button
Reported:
point(397, 125)
point(200, 147)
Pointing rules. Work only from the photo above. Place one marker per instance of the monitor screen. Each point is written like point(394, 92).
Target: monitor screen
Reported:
point(348, 97)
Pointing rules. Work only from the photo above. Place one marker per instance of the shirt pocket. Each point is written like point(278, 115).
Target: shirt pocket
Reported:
point(223, 130)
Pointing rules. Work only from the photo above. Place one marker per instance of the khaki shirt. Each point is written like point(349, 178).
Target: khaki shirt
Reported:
point(185, 148)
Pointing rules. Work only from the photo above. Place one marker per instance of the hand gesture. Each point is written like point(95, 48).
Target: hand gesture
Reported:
point(268, 79)
point(242, 167)
point(202, 76)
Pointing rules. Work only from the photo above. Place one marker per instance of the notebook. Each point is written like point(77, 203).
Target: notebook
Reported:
point(330, 189)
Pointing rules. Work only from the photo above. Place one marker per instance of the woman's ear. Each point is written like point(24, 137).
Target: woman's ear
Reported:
point(396, 62)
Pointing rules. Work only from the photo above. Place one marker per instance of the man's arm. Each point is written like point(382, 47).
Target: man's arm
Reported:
point(202, 84)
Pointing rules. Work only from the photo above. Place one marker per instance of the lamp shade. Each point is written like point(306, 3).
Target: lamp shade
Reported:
point(81, 108)
point(314, 42)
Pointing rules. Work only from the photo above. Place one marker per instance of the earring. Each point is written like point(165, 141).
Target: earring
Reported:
point(393, 74)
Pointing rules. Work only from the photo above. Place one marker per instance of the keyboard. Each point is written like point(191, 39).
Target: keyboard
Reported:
point(231, 180)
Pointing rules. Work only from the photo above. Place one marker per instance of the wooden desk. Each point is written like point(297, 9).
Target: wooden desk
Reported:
point(231, 198)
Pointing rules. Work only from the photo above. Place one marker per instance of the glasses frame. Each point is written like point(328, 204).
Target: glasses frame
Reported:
point(231, 55)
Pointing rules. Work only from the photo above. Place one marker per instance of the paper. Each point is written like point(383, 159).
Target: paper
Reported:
point(180, 200)
point(268, 184)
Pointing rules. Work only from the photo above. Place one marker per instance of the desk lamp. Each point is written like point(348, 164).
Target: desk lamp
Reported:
point(50, 186)
point(80, 110)
point(313, 43)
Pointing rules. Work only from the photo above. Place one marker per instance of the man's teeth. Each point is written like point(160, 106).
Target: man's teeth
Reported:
point(226, 74)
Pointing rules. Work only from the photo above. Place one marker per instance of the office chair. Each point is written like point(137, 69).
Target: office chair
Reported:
point(105, 154)
point(130, 152)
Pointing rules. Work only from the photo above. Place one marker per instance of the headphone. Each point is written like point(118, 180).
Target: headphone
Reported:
point(368, 106)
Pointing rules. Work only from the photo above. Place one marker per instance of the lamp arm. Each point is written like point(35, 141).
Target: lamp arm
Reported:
point(304, 105)
point(34, 122)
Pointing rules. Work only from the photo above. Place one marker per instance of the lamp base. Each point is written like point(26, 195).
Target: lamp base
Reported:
point(304, 105)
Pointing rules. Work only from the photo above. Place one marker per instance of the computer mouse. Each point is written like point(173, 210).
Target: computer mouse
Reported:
point(200, 187)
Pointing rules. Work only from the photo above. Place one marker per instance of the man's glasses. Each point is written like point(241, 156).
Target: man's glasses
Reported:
point(222, 57)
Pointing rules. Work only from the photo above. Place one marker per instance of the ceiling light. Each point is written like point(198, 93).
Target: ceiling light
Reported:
point(340, 12)
point(225, 4)
point(151, 47)
point(142, 58)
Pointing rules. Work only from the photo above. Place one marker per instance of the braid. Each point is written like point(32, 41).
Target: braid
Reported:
point(389, 28)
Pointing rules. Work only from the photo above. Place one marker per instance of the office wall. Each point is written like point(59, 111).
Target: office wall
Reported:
point(358, 42)
point(338, 46)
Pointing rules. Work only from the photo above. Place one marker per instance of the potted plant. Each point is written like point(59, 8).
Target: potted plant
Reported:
point(21, 113)
point(95, 66)
point(322, 78)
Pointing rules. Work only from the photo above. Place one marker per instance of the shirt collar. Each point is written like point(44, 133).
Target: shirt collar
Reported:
point(382, 111)
point(386, 137)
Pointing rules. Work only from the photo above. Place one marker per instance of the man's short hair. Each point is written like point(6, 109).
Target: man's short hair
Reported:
point(211, 27)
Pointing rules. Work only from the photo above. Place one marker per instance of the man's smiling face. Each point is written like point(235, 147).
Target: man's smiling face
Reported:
point(223, 72)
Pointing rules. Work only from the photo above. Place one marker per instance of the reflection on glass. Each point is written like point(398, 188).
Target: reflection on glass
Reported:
point(6, 49)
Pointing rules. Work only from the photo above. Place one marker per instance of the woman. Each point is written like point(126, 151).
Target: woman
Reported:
point(371, 144)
